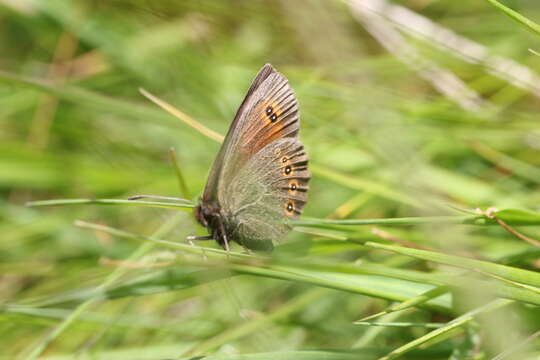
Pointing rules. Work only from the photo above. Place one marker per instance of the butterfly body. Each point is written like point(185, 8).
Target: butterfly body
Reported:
point(260, 177)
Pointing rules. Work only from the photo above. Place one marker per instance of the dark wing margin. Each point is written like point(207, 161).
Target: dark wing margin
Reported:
point(210, 190)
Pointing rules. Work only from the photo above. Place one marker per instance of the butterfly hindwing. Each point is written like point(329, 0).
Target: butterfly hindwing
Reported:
point(269, 189)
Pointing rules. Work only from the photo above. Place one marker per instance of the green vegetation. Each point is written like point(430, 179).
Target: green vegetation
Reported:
point(421, 238)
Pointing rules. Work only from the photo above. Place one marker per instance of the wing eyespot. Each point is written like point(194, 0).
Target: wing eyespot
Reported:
point(288, 170)
point(289, 207)
point(293, 187)
point(271, 113)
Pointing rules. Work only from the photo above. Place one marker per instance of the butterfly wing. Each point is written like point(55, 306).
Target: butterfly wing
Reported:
point(270, 188)
point(260, 176)
point(210, 191)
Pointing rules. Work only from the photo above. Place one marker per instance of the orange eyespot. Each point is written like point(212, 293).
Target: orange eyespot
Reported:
point(293, 187)
point(289, 207)
point(288, 170)
point(271, 113)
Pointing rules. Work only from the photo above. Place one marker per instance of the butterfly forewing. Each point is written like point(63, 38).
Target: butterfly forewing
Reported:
point(227, 147)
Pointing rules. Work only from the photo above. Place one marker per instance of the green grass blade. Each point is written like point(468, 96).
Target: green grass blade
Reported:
point(442, 332)
point(394, 221)
point(38, 348)
point(511, 273)
point(364, 185)
point(59, 202)
point(529, 24)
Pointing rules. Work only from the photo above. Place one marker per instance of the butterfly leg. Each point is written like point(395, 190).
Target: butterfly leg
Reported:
point(226, 243)
point(223, 234)
point(191, 238)
point(207, 237)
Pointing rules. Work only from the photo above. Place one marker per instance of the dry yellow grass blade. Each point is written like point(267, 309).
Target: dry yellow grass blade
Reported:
point(180, 115)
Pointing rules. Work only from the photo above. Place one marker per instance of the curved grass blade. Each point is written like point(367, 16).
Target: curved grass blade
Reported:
point(164, 205)
point(510, 273)
point(177, 170)
point(400, 324)
point(443, 332)
point(529, 24)
point(364, 185)
point(367, 279)
point(37, 349)
point(250, 326)
point(147, 284)
point(407, 304)
point(458, 219)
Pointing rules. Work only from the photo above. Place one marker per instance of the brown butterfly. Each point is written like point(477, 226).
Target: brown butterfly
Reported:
point(260, 176)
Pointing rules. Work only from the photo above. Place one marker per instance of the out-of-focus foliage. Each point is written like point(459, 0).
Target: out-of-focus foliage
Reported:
point(410, 108)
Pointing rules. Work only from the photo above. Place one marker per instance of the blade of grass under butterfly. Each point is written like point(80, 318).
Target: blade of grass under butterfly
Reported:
point(358, 279)
point(365, 279)
point(164, 205)
point(372, 280)
point(210, 252)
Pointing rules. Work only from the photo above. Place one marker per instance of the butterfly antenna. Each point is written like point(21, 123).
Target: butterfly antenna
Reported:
point(157, 197)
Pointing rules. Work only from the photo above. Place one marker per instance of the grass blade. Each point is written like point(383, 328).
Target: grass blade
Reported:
point(59, 202)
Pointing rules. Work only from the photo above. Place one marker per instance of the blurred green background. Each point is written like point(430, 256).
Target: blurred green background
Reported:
point(408, 108)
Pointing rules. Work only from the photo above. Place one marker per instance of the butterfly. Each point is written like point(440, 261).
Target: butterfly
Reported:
point(260, 176)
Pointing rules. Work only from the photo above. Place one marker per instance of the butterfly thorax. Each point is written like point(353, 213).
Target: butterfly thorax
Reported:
point(209, 215)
